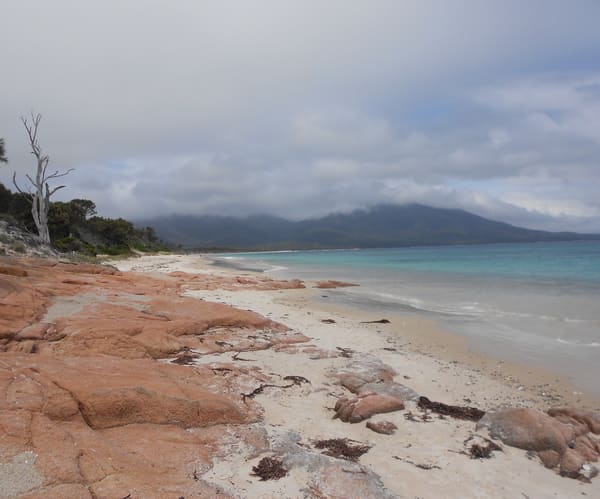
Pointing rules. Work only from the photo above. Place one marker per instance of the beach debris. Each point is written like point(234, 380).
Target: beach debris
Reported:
point(345, 352)
point(333, 284)
point(221, 370)
point(483, 451)
point(588, 472)
point(423, 466)
point(295, 381)
point(328, 321)
point(269, 468)
point(482, 448)
point(380, 321)
point(237, 357)
point(343, 448)
point(383, 427)
point(185, 358)
point(316, 492)
point(455, 411)
point(423, 418)
point(357, 409)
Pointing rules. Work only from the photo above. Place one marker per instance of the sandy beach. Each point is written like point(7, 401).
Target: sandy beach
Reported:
point(432, 362)
point(260, 380)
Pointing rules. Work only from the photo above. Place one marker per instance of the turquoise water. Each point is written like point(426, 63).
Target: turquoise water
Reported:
point(578, 260)
point(534, 303)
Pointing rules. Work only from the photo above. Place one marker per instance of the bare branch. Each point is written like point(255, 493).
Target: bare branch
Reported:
point(17, 185)
point(30, 179)
point(45, 160)
point(49, 193)
point(32, 130)
point(56, 174)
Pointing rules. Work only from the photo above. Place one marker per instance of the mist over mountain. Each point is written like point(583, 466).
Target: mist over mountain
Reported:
point(380, 226)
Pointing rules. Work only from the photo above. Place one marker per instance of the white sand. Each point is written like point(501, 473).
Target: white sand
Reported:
point(434, 364)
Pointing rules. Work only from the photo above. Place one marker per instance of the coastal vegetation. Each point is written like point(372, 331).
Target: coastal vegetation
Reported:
point(74, 226)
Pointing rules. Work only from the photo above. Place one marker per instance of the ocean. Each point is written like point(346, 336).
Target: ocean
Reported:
point(532, 303)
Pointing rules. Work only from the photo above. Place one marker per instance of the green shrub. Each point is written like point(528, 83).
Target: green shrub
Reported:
point(70, 244)
point(114, 250)
point(19, 247)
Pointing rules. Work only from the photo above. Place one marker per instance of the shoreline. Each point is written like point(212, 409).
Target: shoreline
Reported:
point(173, 378)
point(430, 336)
point(433, 362)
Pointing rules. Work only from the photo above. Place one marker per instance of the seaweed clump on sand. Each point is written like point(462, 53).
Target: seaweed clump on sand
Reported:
point(342, 448)
point(455, 411)
point(483, 451)
point(269, 468)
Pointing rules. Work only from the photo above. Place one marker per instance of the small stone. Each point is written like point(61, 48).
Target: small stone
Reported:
point(383, 427)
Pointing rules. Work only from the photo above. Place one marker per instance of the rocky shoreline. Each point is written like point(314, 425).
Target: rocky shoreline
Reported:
point(170, 378)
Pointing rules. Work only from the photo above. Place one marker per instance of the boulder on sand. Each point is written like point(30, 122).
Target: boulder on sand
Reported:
point(558, 438)
point(383, 427)
point(357, 409)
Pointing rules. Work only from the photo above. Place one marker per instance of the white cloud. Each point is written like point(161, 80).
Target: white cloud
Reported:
point(304, 108)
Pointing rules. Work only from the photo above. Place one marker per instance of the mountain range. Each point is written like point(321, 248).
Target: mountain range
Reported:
point(380, 226)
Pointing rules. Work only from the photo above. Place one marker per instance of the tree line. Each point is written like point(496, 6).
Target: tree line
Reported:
point(75, 226)
point(72, 226)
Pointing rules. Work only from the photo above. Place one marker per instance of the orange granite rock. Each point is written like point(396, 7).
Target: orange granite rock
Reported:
point(81, 389)
point(211, 282)
point(357, 409)
point(562, 441)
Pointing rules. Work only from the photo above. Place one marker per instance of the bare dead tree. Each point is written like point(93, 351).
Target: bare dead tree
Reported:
point(39, 191)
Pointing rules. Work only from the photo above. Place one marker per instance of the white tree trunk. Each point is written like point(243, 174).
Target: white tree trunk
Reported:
point(39, 211)
point(40, 197)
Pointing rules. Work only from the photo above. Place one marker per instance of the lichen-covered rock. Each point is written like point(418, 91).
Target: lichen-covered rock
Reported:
point(360, 372)
point(392, 389)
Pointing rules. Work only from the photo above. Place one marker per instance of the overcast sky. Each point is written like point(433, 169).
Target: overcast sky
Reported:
point(301, 108)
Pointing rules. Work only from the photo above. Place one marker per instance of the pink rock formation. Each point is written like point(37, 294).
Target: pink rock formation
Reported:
point(357, 409)
point(210, 282)
point(80, 386)
point(564, 438)
point(383, 427)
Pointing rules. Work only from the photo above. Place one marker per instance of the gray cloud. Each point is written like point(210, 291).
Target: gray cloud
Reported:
point(300, 109)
